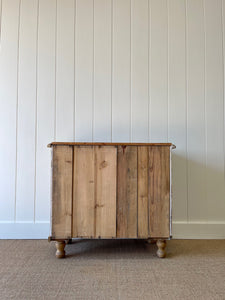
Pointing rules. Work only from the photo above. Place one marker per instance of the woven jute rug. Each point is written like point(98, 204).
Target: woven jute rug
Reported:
point(112, 269)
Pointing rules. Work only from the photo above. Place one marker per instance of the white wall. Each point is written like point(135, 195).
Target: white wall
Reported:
point(112, 70)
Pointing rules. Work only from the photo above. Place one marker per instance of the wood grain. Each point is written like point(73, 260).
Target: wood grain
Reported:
point(127, 192)
point(62, 192)
point(109, 144)
point(143, 192)
point(105, 191)
point(159, 185)
point(83, 193)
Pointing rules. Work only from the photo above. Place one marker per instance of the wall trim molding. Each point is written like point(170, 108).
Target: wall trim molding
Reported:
point(180, 230)
point(24, 230)
point(198, 230)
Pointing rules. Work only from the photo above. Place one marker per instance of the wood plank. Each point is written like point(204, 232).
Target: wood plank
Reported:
point(46, 105)
point(112, 144)
point(159, 185)
point(177, 98)
point(102, 70)
point(127, 192)
point(27, 104)
point(158, 64)
point(121, 84)
point(214, 108)
point(196, 136)
point(143, 192)
point(65, 71)
point(105, 191)
point(62, 192)
point(139, 70)
point(84, 70)
point(83, 192)
point(8, 106)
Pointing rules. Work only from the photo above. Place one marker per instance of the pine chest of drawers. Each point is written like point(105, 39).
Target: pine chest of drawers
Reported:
point(111, 190)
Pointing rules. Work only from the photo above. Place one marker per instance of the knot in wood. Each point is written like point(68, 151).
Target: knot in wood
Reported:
point(98, 205)
point(103, 164)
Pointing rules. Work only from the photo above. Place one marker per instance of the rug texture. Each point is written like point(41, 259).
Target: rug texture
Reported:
point(112, 269)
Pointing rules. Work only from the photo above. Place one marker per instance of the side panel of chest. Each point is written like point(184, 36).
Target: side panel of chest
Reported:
point(111, 191)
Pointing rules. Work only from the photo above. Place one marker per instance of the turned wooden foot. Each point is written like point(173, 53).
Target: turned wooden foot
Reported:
point(69, 241)
point(60, 252)
point(151, 241)
point(161, 252)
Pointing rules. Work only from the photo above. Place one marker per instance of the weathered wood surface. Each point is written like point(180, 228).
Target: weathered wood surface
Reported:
point(62, 191)
point(127, 192)
point(109, 144)
point(143, 191)
point(105, 191)
point(94, 201)
point(83, 192)
point(111, 191)
point(159, 186)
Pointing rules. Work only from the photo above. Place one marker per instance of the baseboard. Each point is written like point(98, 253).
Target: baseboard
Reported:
point(24, 230)
point(180, 230)
point(198, 230)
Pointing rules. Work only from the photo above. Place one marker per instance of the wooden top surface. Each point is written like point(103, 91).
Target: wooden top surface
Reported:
point(110, 144)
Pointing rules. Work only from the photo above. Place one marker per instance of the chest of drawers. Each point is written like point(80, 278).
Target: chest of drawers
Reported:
point(109, 191)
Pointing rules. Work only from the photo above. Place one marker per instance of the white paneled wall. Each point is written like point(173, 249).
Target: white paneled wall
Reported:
point(112, 70)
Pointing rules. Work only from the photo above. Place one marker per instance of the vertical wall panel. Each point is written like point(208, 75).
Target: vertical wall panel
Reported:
point(214, 111)
point(177, 104)
point(102, 71)
point(121, 71)
point(0, 17)
point(84, 70)
point(223, 31)
point(197, 208)
point(26, 111)
point(8, 106)
point(45, 105)
point(139, 71)
point(158, 71)
point(65, 71)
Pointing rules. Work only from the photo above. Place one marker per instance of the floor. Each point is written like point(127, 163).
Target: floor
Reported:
point(117, 269)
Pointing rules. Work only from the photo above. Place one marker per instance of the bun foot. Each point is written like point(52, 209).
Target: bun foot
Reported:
point(161, 252)
point(60, 252)
point(150, 241)
point(69, 241)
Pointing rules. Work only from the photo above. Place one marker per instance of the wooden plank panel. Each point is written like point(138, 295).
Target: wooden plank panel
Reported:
point(139, 71)
point(84, 70)
point(27, 87)
point(45, 105)
point(105, 191)
point(159, 185)
point(196, 131)
point(143, 191)
point(214, 108)
point(110, 144)
point(178, 102)
point(83, 192)
point(121, 84)
point(127, 192)
point(8, 106)
point(102, 70)
point(158, 71)
point(65, 71)
point(62, 191)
